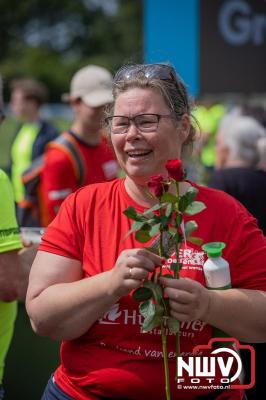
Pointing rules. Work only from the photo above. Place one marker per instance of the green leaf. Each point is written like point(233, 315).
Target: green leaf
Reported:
point(131, 213)
point(195, 240)
point(156, 290)
point(194, 208)
point(135, 227)
point(154, 220)
point(191, 194)
point(183, 203)
point(142, 236)
point(155, 230)
point(142, 294)
point(149, 214)
point(152, 315)
point(190, 227)
point(150, 323)
point(169, 198)
point(154, 208)
point(169, 210)
point(173, 325)
point(147, 309)
point(187, 198)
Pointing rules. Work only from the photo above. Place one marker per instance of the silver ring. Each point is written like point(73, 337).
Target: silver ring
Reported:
point(130, 273)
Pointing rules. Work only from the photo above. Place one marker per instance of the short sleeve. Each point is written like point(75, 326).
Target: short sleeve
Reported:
point(57, 180)
point(248, 253)
point(9, 231)
point(65, 235)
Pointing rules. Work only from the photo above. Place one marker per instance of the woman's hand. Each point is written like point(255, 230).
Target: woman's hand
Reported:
point(188, 299)
point(131, 268)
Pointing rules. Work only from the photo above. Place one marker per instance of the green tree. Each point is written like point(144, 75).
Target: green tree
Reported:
point(51, 39)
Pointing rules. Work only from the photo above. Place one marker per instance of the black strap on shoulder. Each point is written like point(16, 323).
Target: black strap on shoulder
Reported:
point(67, 140)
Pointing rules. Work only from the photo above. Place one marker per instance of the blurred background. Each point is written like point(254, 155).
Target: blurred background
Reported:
point(218, 48)
point(50, 40)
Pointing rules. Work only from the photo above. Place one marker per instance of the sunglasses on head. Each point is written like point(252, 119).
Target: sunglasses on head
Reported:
point(163, 72)
point(150, 71)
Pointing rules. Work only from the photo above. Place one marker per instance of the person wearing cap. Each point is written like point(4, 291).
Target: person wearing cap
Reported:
point(90, 91)
point(33, 133)
point(15, 263)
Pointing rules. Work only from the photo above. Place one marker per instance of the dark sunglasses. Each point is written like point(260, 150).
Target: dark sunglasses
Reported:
point(150, 71)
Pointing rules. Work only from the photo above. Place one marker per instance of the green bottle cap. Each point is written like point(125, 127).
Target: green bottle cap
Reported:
point(214, 249)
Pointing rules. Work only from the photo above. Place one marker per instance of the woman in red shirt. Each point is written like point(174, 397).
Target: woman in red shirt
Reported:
point(80, 289)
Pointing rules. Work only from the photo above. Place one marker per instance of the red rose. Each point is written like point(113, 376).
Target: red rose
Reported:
point(175, 170)
point(156, 185)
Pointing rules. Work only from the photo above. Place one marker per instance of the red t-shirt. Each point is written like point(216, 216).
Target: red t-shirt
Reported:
point(114, 359)
point(58, 178)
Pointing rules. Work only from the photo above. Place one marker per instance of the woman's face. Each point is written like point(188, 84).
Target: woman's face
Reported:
point(143, 154)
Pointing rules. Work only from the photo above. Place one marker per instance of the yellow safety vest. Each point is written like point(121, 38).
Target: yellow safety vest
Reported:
point(21, 153)
point(9, 240)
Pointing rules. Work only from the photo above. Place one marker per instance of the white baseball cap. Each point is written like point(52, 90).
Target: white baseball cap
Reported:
point(93, 84)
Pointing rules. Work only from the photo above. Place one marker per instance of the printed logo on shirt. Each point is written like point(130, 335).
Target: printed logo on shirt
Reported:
point(190, 258)
point(9, 232)
point(116, 315)
point(110, 317)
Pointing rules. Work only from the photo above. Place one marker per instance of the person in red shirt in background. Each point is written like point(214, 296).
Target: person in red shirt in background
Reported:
point(90, 91)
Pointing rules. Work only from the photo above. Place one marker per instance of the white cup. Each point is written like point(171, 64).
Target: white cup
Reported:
point(32, 234)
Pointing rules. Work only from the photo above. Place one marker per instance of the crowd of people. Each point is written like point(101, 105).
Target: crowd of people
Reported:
point(77, 183)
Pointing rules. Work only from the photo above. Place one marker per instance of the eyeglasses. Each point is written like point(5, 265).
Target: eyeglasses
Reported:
point(119, 124)
point(159, 71)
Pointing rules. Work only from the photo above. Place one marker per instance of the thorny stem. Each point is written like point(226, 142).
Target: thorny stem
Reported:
point(176, 275)
point(163, 334)
point(165, 362)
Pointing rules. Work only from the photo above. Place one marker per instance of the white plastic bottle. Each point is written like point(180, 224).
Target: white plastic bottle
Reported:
point(217, 276)
point(216, 268)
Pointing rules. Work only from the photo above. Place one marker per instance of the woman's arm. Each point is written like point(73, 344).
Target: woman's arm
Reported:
point(14, 273)
point(63, 305)
point(9, 267)
point(239, 312)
